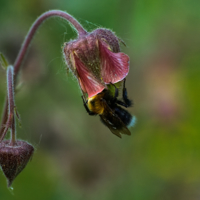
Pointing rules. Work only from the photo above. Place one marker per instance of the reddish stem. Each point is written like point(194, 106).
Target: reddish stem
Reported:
point(24, 48)
point(4, 120)
point(10, 88)
point(52, 13)
point(13, 132)
point(11, 104)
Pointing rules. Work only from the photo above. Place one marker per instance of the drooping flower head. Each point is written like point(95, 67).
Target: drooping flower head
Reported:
point(14, 158)
point(95, 59)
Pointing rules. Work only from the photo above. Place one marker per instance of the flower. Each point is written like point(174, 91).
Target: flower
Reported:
point(95, 60)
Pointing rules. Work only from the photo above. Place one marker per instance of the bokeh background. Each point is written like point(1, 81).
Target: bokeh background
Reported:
point(76, 156)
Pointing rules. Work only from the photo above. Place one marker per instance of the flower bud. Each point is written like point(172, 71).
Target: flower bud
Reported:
point(95, 59)
point(13, 159)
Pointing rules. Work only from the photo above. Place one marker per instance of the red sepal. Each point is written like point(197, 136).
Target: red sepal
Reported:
point(114, 66)
point(88, 82)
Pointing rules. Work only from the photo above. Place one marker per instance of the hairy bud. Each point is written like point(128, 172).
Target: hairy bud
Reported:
point(95, 59)
point(13, 159)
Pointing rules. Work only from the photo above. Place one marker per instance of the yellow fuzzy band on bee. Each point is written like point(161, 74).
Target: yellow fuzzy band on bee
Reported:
point(95, 104)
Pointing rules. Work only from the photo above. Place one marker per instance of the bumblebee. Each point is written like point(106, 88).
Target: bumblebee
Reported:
point(107, 105)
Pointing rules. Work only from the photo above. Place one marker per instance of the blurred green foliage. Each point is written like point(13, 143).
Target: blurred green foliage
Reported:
point(77, 157)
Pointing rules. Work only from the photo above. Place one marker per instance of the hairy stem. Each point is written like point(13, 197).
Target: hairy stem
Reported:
point(52, 13)
point(27, 41)
point(13, 133)
point(11, 104)
point(10, 88)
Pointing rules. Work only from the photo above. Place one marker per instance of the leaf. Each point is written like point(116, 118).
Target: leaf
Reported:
point(18, 117)
point(3, 61)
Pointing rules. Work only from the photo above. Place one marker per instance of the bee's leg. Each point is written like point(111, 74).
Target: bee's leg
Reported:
point(86, 108)
point(121, 103)
point(127, 101)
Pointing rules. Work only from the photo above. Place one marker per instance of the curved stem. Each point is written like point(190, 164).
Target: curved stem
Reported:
point(52, 13)
point(24, 48)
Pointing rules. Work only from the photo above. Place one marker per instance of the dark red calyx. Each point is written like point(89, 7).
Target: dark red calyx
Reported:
point(13, 159)
point(95, 60)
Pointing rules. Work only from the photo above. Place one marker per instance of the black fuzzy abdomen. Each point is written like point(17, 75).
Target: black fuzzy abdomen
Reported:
point(123, 114)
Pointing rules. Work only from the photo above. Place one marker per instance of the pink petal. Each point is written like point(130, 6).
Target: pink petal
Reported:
point(115, 66)
point(88, 82)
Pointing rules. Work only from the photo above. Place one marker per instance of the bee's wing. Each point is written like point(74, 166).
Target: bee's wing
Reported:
point(113, 122)
point(114, 130)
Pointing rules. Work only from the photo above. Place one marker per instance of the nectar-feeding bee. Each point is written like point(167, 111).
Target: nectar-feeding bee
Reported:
point(106, 105)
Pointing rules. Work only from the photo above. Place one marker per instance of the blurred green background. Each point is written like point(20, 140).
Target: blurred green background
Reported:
point(76, 156)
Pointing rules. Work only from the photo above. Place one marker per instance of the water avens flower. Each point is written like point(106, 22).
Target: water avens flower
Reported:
point(95, 59)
